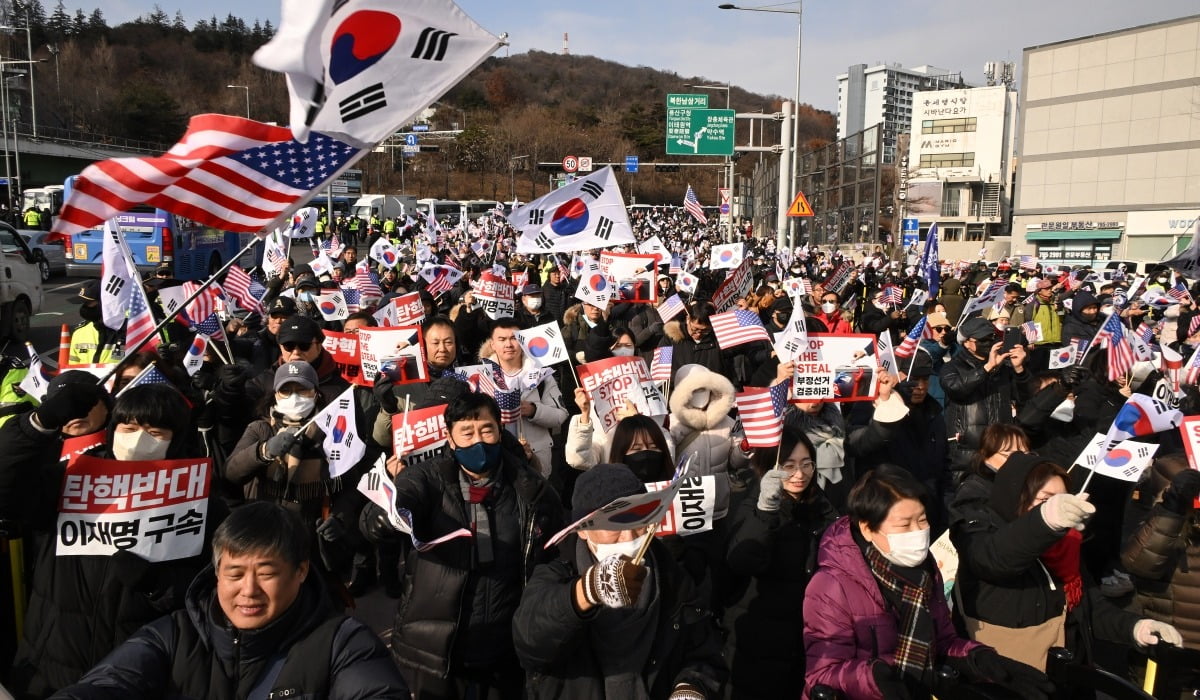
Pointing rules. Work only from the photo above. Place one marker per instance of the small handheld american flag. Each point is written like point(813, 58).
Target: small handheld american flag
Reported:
point(908, 347)
point(736, 327)
point(660, 369)
point(692, 205)
point(1120, 354)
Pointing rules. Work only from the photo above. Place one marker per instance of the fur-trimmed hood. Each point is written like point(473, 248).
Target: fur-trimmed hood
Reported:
point(719, 403)
point(675, 330)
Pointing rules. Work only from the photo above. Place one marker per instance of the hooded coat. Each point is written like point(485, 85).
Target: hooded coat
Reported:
point(1075, 325)
point(194, 653)
point(848, 624)
point(706, 435)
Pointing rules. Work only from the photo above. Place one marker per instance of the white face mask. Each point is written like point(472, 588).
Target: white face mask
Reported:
point(533, 303)
point(880, 305)
point(622, 352)
point(908, 548)
point(629, 549)
point(138, 445)
point(1065, 411)
point(295, 407)
point(828, 307)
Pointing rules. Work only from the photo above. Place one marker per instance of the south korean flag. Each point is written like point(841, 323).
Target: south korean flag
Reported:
point(588, 213)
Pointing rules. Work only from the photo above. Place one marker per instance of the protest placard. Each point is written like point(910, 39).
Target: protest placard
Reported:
point(611, 381)
point(409, 309)
point(835, 368)
point(737, 285)
point(154, 509)
point(495, 296)
point(398, 352)
point(343, 348)
point(632, 276)
point(418, 435)
point(692, 510)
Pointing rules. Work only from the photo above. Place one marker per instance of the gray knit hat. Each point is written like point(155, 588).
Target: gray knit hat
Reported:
point(601, 485)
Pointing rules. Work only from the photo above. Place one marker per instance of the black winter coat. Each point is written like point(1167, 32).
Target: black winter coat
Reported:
point(554, 646)
point(916, 442)
point(772, 556)
point(194, 654)
point(454, 613)
point(976, 399)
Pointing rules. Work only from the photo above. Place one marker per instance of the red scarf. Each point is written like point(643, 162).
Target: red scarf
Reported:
point(1062, 558)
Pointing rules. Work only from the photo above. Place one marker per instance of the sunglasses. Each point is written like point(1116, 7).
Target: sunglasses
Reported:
point(942, 329)
point(293, 347)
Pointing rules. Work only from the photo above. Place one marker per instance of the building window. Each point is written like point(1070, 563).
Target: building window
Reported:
point(947, 160)
point(947, 126)
point(952, 233)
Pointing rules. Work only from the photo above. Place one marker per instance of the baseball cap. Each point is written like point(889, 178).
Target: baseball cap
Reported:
point(299, 372)
point(88, 291)
point(299, 329)
point(283, 306)
point(977, 328)
point(531, 289)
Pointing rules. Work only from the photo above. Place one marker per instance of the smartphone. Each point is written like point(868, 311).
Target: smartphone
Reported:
point(1012, 338)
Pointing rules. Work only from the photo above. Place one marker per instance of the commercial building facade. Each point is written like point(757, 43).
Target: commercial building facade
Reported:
point(1109, 148)
point(884, 94)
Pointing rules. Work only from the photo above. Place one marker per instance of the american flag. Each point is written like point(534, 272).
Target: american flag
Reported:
point(760, 409)
point(692, 205)
point(332, 245)
point(205, 304)
point(510, 406)
point(676, 265)
point(892, 295)
point(739, 326)
point(908, 346)
point(210, 326)
point(1179, 292)
point(366, 282)
point(140, 326)
point(562, 269)
point(660, 368)
point(353, 299)
point(1030, 329)
point(150, 375)
point(226, 172)
point(238, 284)
point(1146, 332)
point(1028, 262)
point(670, 308)
point(441, 278)
point(1120, 354)
point(1192, 376)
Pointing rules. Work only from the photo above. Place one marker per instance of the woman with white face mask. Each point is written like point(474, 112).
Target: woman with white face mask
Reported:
point(149, 422)
point(280, 457)
point(876, 623)
point(589, 623)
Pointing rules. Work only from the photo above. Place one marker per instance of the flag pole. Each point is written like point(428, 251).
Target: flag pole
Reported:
point(163, 323)
point(637, 561)
point(1079, 360)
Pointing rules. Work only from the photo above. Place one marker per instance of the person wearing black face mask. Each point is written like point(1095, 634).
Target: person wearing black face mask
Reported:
point(982, 382)
point(452, 634)
point(92, 341)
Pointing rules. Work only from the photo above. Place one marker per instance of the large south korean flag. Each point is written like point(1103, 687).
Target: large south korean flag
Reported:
point(586, 214)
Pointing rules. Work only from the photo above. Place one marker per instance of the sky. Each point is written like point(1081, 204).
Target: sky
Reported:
point(757, 50)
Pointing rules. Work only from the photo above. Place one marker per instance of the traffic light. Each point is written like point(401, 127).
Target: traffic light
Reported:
point(666, 168)
point(429, 149)
point(550, 167)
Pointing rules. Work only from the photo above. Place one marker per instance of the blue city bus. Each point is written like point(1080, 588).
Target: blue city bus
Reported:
point(157, 237)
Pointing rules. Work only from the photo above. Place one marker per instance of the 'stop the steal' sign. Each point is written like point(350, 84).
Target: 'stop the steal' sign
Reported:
point(156, 510)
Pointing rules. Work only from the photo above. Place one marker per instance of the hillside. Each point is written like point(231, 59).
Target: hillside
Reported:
point(141, 80)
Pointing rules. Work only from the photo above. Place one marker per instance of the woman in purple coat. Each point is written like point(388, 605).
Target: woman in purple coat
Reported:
point(876, 622)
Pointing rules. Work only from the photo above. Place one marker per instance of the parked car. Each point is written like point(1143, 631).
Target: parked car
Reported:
point(20, 285)
point(47, 250)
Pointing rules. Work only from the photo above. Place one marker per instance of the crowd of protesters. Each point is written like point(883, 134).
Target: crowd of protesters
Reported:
point(817, 570)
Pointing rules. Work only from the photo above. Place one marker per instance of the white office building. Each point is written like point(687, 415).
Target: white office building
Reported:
point(1109, 164)
point(960, 164)
point(883, 94)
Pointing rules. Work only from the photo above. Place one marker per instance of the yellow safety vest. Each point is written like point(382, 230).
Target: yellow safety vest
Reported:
point(33, 218)
point(85, 340)
point(9, 396)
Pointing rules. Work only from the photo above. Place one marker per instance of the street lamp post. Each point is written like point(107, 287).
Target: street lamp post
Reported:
point(512, 174)
point(29, 49)
point(247, 89)
point(794, 176)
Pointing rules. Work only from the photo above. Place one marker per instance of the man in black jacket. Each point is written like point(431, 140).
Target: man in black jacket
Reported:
point(257, 624)
point(982, 384)
point(453, 630)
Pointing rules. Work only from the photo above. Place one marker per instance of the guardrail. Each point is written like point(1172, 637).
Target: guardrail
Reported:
point(85, 138)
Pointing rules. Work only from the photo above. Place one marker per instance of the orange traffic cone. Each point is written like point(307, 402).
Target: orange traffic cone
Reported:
point(64, 348)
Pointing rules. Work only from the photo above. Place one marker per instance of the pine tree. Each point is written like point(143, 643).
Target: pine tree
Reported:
point(59, 24)
point(179, 25)
point(97, 27)
point(79, 24)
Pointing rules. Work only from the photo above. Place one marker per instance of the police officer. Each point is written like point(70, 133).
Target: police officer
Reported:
point(92, 341)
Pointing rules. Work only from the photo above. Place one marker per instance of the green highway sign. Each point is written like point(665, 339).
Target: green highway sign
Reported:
point(699, 132)
point(687, 101)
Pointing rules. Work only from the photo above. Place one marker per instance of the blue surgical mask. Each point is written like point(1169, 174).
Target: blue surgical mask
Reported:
point(479, 458)
point(305, 296)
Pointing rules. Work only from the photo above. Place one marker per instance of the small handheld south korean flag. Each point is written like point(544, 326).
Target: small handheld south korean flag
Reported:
point(594, 286)
point(194, 359)
point(543, 344)
point(304, 223)
point(333, 306)
point(36, 380)
point(343, 446)
point(588, 213)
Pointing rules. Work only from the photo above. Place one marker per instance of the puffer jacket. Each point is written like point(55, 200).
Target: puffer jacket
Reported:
point(772, 555)
point(848, 624)
point(555, 646)
point(1163, 555)
point(452, 613)
point(976, 399)
point(1002, 580)
point(189, 655)
point(706, 435)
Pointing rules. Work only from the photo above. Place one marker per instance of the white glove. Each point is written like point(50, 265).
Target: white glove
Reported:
point(1147, 632)
point(1065, 511)
point(770, 490)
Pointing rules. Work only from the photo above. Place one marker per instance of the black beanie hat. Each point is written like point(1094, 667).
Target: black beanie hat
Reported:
point(601, 485)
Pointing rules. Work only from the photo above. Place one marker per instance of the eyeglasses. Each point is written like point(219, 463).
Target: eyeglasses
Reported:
point(807, 466)
point(942, 329)
point(293, 347)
